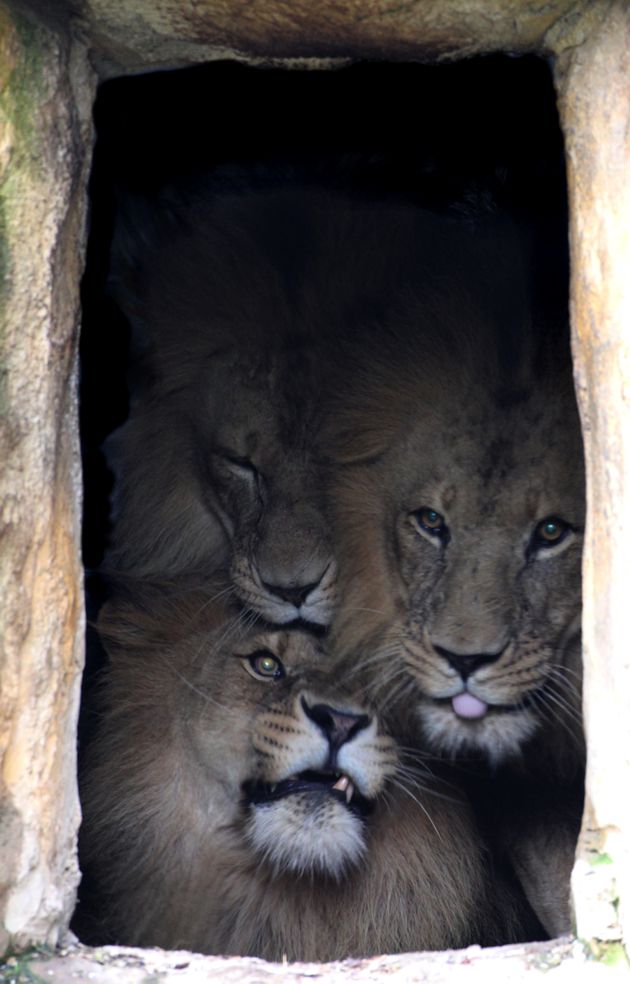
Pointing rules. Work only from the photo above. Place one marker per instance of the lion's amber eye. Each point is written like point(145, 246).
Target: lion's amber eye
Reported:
point(431, 521)
point(264, 665)
point(550, 531)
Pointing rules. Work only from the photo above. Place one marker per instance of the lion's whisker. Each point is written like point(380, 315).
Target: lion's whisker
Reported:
point(401, 785)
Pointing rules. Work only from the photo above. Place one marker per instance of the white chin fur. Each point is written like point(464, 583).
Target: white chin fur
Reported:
point(307, 833)
point(497, 736)
point(283, 613)
point(277, 612)
point(319, 613)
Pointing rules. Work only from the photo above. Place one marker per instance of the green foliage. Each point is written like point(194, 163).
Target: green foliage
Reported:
point(612, 954)
point(23, 83)
point(597, 860)
point(16, 969)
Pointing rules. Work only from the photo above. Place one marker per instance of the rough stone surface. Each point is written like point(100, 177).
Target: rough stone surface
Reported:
point(45, 96)
point(46, 88)
point(594, 85)
point(163, 33)
point(568, 962)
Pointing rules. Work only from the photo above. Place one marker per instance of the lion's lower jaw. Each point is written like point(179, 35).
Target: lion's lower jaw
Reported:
point(316, 611)
point(496, 736)
point(283, 613)
point(316, 608)
point(314, 836)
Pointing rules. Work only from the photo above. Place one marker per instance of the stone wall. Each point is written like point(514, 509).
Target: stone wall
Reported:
point(137, 34)
point(46, 90)
point(594, 86)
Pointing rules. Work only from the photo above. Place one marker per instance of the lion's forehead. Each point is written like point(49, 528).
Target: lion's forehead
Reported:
point(479, 447)
point(247, 429)
point(510, 503)
point(255, 412)
point(497, 481)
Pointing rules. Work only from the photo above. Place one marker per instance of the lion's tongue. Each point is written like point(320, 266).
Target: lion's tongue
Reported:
point(468, 706)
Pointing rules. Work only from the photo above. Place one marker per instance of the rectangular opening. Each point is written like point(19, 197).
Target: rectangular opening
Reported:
point(455, 142)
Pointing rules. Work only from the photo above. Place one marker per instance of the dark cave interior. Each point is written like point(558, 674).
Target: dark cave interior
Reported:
point(432, 134)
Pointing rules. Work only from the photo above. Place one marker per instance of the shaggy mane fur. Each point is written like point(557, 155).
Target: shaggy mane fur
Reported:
point(464, 406)
point(164, 830)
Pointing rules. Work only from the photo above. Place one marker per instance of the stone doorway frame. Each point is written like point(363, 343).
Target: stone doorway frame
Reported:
point(52, 55)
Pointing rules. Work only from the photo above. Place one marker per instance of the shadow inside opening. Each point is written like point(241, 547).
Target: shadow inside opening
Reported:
point(443, 138)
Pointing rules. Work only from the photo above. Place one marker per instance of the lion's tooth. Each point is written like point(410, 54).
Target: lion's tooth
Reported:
point(349, 791)
point(342, 784)
point(272, 786)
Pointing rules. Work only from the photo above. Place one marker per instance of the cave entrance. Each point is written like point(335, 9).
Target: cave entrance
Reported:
point(53, 57)
point(438, 136)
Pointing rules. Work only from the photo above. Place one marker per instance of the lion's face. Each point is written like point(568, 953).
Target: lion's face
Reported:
point(240, 799)
point(258, 476)
point(214, 468)
point(460, 566)
point(289, 760)
point(221, 474)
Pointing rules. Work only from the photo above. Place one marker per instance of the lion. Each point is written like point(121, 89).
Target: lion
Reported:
point(239, 799)
point(237, 300)
point(214, 467)
point(458, 493)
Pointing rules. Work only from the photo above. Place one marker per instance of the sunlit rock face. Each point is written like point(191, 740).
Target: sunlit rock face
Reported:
point(46, 91)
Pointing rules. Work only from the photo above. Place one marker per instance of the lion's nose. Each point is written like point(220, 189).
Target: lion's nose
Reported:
point(467, 663)
point(338, 726)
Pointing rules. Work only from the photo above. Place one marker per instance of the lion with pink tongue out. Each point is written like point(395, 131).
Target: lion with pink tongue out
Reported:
point(459, 510)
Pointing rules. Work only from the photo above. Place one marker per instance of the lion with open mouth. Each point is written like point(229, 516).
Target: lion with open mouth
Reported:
point(239, 799)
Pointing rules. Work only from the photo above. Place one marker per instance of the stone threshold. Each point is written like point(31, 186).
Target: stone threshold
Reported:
point(556, 962)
